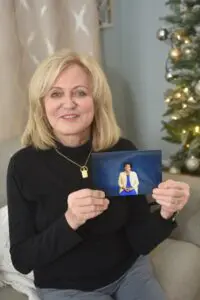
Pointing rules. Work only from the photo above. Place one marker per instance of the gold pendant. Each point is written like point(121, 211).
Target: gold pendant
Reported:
point(84, 172)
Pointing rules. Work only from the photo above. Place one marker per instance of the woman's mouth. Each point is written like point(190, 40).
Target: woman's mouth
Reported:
point(70, 116)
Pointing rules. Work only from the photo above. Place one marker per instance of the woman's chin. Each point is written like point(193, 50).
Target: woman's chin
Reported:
point(75, 130)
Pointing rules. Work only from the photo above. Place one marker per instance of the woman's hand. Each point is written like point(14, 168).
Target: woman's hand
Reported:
point(83, 205)
point(172, 196)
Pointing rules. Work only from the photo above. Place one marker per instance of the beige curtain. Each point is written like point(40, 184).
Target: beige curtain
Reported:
point(30, 30)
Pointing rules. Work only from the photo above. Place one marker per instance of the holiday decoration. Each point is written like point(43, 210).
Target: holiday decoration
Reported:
point(189, 53)
point(174, 170)
point(175, 54)
point(192, 163)
point(197, 88)
point(182, 70)
point(162, 34)
point(178, 35)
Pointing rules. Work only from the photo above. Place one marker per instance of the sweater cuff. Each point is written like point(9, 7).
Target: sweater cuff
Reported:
point(71, 236)
point(171, 222)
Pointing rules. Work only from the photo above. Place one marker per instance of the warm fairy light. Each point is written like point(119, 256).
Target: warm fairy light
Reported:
point(187, 41)
point(167, 100)
point(178, 95)
point(197, 129)
point(186, 90)
point(184, 105)
point(174, 118)
point(188, 145)
point(183, 131)
point(191, 99)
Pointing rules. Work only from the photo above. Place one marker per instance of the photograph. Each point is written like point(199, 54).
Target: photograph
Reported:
point(127, 173)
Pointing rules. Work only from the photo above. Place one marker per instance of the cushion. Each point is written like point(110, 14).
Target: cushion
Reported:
point(7, 293)
point(192, 230)
point(7, 149)
point(2, 200)
point(177, 267)
point(8, 274)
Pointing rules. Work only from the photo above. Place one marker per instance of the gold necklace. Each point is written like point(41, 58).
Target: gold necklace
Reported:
point(83, 169)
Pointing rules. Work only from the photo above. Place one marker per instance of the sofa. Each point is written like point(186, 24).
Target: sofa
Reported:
point(176, 261)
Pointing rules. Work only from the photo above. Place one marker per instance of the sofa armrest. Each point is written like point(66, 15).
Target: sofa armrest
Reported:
point(189, 218)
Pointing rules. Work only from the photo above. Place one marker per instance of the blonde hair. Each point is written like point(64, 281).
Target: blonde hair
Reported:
point(38, 132)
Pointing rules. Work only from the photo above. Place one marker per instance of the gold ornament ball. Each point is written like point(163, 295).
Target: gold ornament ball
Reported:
point(175, 54)
point(197, 88)
point(178, 35)
point(192, 163)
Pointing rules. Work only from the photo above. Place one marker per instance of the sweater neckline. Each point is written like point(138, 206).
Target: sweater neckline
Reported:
point(74, 152)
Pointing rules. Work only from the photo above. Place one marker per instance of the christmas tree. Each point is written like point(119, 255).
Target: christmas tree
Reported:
point(182, 117)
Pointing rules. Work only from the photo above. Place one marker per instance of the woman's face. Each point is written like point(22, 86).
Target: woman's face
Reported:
point(69, 104)
point(127, 168)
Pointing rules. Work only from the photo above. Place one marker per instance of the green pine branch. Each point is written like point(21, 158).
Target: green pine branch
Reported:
point(173, 19)
point(173, 2)
point(168, 112)
point(171, 139)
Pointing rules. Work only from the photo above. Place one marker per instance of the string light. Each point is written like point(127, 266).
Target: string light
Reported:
point(184, 105)
point(186, 90)
point(197, 129)
point(187, 40)
point(191, 99)
point(167, 100)
point(178, 95)
point(184, 131)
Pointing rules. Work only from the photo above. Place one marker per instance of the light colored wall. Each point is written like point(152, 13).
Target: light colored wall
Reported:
point(134, 61)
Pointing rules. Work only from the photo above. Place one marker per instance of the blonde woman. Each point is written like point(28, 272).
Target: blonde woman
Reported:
point(128, 181)
point(79, 244)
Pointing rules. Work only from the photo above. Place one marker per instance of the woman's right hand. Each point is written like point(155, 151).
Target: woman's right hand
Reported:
point(83, 205)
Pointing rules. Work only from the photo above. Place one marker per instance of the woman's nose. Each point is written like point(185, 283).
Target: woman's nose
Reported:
point(68, 102)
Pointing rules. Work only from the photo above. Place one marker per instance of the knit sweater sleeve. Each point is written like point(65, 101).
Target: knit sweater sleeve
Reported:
point(145, 230)
point(30, 250)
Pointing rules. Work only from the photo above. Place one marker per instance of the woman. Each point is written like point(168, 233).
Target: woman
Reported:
point(128, 181)
point(79, 244)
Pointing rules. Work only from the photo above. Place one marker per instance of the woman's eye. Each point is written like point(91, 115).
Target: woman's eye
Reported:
point(56, 94)
point(79, 93)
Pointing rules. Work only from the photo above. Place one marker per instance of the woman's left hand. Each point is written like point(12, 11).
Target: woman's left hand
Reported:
point(172, 196)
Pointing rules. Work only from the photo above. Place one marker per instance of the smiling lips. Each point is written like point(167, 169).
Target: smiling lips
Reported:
point(69, 116)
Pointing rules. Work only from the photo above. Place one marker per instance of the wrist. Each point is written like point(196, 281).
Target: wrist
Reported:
point(166, 214)
point(71, 220)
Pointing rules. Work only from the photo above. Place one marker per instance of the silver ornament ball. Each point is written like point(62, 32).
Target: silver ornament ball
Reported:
point(192, 163)
point(162, 34)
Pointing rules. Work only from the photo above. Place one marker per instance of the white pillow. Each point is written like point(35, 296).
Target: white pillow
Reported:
point(8, 274)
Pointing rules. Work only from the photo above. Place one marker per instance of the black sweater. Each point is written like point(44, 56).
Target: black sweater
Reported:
point(101, 250)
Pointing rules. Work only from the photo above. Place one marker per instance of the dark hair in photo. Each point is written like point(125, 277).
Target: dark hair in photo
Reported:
point(127, 163)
